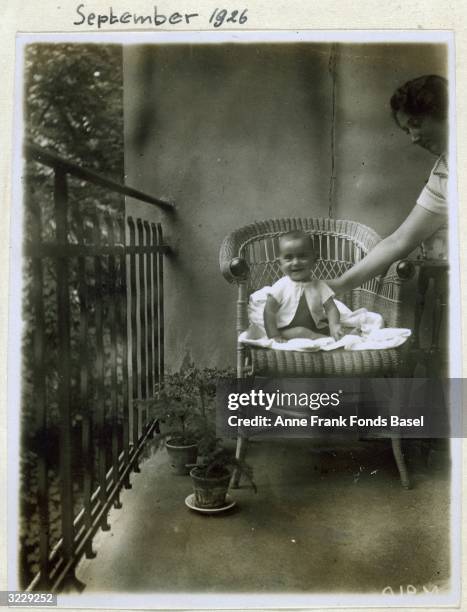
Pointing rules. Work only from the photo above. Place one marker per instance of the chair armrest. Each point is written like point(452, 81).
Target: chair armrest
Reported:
point(233, 267)
point(400, 271)
point(235, 270)
point(390, 290)
point(397, 275)
point(405, 269)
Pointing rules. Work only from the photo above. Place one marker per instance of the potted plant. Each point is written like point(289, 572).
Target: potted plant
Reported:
point(184, 405)
point(211, 478)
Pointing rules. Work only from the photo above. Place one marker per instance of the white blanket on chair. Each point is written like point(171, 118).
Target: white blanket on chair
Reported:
point(365, 330)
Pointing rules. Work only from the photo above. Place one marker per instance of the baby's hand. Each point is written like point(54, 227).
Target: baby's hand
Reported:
point(279, 339)
point(336, 331)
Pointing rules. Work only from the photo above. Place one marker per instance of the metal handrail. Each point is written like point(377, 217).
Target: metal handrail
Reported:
point(39, 154)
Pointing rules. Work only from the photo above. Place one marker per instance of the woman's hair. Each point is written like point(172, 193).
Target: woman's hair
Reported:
point(426, 95)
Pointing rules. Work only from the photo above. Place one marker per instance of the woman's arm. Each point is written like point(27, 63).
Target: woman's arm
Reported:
point(418, 226)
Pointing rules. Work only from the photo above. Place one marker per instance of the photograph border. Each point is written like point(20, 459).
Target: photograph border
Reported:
point(230, 600)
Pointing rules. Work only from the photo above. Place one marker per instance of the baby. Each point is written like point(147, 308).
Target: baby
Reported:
point(299, 306)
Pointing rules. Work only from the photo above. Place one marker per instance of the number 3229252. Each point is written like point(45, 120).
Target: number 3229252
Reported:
point(219, 17)
point(17, 597)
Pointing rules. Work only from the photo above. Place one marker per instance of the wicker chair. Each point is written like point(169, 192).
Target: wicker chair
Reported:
point(249, 258)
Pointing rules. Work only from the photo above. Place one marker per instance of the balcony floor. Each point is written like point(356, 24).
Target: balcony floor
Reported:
point(330, 521)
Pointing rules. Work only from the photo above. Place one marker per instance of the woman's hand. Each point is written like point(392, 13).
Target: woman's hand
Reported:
point(334, 284)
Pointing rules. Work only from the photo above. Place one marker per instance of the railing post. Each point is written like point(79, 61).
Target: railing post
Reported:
point(149, 311)
point(84, 360)
point(64, 365)
point(134, 337)
point(112, 314)
point(156, 313)
point(123, 326)
point(160, 302)
point(40, 401)
point(100, 374)
point(142, 314)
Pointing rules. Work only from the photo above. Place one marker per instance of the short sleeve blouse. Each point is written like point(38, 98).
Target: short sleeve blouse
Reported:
point(434, 195)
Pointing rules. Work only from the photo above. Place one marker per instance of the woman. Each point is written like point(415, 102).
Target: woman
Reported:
point(420, 108)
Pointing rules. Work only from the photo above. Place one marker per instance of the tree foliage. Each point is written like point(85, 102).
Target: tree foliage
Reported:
point(73, 103)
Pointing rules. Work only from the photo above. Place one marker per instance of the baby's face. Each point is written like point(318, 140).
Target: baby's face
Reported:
point(297, 258)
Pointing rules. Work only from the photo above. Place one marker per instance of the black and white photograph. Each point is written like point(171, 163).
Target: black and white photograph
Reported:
point(256, 210)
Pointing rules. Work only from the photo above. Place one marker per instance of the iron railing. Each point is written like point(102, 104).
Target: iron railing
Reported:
point(96, 341)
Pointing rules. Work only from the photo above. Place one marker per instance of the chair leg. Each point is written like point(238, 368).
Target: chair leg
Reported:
point(240, 453)
point(400, 462)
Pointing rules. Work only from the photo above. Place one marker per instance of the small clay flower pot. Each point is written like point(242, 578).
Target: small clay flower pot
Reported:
point(210, 491)
point(181, 455)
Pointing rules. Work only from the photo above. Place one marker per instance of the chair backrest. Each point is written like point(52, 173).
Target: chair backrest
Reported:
point(339, 244)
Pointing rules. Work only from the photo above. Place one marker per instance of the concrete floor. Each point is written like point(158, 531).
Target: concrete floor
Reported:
point(322, 522)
